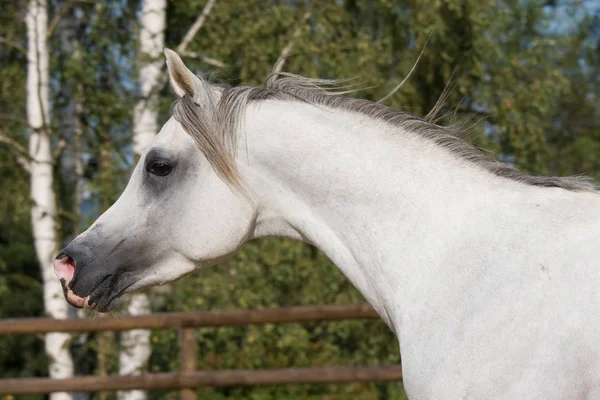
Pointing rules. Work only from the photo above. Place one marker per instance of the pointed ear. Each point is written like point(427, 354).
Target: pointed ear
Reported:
point(182, 79)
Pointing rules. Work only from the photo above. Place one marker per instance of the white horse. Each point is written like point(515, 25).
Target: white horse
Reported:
point(489, 277)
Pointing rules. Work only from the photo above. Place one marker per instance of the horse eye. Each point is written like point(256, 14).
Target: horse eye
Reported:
point(160, 168)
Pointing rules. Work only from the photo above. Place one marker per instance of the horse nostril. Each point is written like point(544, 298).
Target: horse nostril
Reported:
point(64, 267)
point(64, 258)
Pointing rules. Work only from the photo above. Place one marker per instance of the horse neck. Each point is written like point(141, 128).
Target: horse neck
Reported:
point(380, 202)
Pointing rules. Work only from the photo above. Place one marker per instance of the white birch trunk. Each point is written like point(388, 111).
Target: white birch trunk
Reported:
point(43, 211)
point(152, 29)
point(135, 345)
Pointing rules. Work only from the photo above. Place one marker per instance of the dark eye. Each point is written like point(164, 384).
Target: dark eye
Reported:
point(159, 168)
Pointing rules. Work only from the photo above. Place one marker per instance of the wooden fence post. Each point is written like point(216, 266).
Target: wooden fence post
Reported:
point(187, 350)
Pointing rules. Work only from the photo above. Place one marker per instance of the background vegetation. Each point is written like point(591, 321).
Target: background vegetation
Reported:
point(527, 71)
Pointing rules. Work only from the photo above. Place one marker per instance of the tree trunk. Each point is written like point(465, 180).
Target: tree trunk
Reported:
point(135, 345)
point(43, 208)
point(151, 44)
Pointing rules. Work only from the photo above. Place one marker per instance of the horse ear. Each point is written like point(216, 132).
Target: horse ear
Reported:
point(182, 79)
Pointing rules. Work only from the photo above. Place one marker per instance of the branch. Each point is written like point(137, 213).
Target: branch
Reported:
point(14, 45)
point(24, 164)
point(12, 118)
point(285, 52)
point(207, 60)
point(14, 144)
point(57, 18)
point(22, 154)
point(195, 27)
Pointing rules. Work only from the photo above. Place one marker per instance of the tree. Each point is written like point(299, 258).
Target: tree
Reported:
point(135, 344)
point(43, 196)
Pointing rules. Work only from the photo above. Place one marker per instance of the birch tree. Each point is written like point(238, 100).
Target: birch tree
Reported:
point(43, 197)
point(135, 344)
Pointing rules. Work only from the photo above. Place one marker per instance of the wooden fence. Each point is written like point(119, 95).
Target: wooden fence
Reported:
point(188, 378)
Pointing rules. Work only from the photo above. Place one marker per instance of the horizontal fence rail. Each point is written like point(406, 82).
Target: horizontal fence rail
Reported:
point(28, 326)
point(202, 378)
point(188, 378)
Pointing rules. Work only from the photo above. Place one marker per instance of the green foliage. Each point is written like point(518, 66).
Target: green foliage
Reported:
point(20, 289)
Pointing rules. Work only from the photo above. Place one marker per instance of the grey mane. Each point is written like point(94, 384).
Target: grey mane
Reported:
point(215, 131)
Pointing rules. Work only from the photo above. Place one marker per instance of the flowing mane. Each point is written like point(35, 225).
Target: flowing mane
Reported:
point(215, 125)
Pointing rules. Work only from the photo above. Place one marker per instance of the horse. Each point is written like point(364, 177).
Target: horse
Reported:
point(488, 276)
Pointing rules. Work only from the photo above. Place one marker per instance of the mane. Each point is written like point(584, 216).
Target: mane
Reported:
point(215, 127)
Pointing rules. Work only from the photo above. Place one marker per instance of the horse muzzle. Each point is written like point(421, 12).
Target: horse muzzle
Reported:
point(90, 277)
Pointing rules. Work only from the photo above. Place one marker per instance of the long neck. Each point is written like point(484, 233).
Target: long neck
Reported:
point(381, 203)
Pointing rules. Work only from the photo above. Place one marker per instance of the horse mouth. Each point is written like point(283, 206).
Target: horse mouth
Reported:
point(103, 297)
